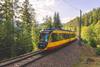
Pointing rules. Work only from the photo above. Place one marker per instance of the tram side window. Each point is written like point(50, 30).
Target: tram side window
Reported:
point(71, 35)
point(56, 37)
point(65, 36)
point(62, 36)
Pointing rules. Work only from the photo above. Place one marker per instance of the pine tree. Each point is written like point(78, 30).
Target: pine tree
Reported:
point(1, 11)
point(26, 26)
point(8, 26)
point(47, 22)
point(57, 22)
point(17, 29)
point(35, 34)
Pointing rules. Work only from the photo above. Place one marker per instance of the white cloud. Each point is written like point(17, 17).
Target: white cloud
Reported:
point(43, 8)
point(48, 7)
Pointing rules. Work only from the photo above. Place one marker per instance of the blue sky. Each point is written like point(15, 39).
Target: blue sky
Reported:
point(68, 9)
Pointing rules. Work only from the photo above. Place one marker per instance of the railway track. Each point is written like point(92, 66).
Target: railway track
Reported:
point(65, 56)
point(22, 60)
point(26, 59)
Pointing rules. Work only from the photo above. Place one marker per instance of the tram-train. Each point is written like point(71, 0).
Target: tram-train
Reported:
point(54, 38)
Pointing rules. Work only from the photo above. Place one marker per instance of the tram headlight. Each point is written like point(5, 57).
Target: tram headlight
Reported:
point(42, 45)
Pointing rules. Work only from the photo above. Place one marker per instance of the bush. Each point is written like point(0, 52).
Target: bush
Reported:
point(98, 51)
point(88, 36)
point(91, 35)
point(92, 42)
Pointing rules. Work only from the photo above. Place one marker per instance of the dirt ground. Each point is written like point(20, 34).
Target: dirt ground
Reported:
point(88, 58)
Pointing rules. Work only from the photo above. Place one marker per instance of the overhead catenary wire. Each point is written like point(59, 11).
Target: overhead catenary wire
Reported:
point(70, 5)
point(79, 34)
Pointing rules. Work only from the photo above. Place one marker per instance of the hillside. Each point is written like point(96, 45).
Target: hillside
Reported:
point(90, 32)
point(92, 17)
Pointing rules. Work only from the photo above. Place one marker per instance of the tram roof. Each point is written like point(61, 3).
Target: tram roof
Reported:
point(51, 30)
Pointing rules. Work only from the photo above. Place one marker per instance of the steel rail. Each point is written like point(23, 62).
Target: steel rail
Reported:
point(19, 58)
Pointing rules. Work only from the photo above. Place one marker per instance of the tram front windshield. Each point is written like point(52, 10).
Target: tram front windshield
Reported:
point(44, 37)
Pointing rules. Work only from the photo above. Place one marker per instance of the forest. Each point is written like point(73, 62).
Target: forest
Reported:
point(19, 29)
point(90, 28)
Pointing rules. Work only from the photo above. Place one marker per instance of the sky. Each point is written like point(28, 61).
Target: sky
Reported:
point(68, 9)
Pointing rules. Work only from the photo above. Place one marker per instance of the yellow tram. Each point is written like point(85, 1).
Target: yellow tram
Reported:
point(53, 38)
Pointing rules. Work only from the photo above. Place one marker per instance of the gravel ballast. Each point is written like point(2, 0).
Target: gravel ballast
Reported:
point(64, 57)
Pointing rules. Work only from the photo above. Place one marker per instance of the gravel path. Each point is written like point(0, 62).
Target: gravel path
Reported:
point(64, 57)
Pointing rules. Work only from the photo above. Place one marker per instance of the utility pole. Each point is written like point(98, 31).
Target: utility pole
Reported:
point(80, 28)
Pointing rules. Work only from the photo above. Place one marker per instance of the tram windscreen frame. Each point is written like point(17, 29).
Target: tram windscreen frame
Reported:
point(44, 37)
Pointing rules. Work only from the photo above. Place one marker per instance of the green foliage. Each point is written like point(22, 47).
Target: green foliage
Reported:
point(16, 35)
point(47, 23)
point(91, 34)
point(92, 17)
point(98, 51)
point(86, 35)
point(57, 22)
point(90, 26)
point(97, 33)
point(26, 27)
point(35, 35)
point(6, 33)
point(92, 42)
point(72, 25)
